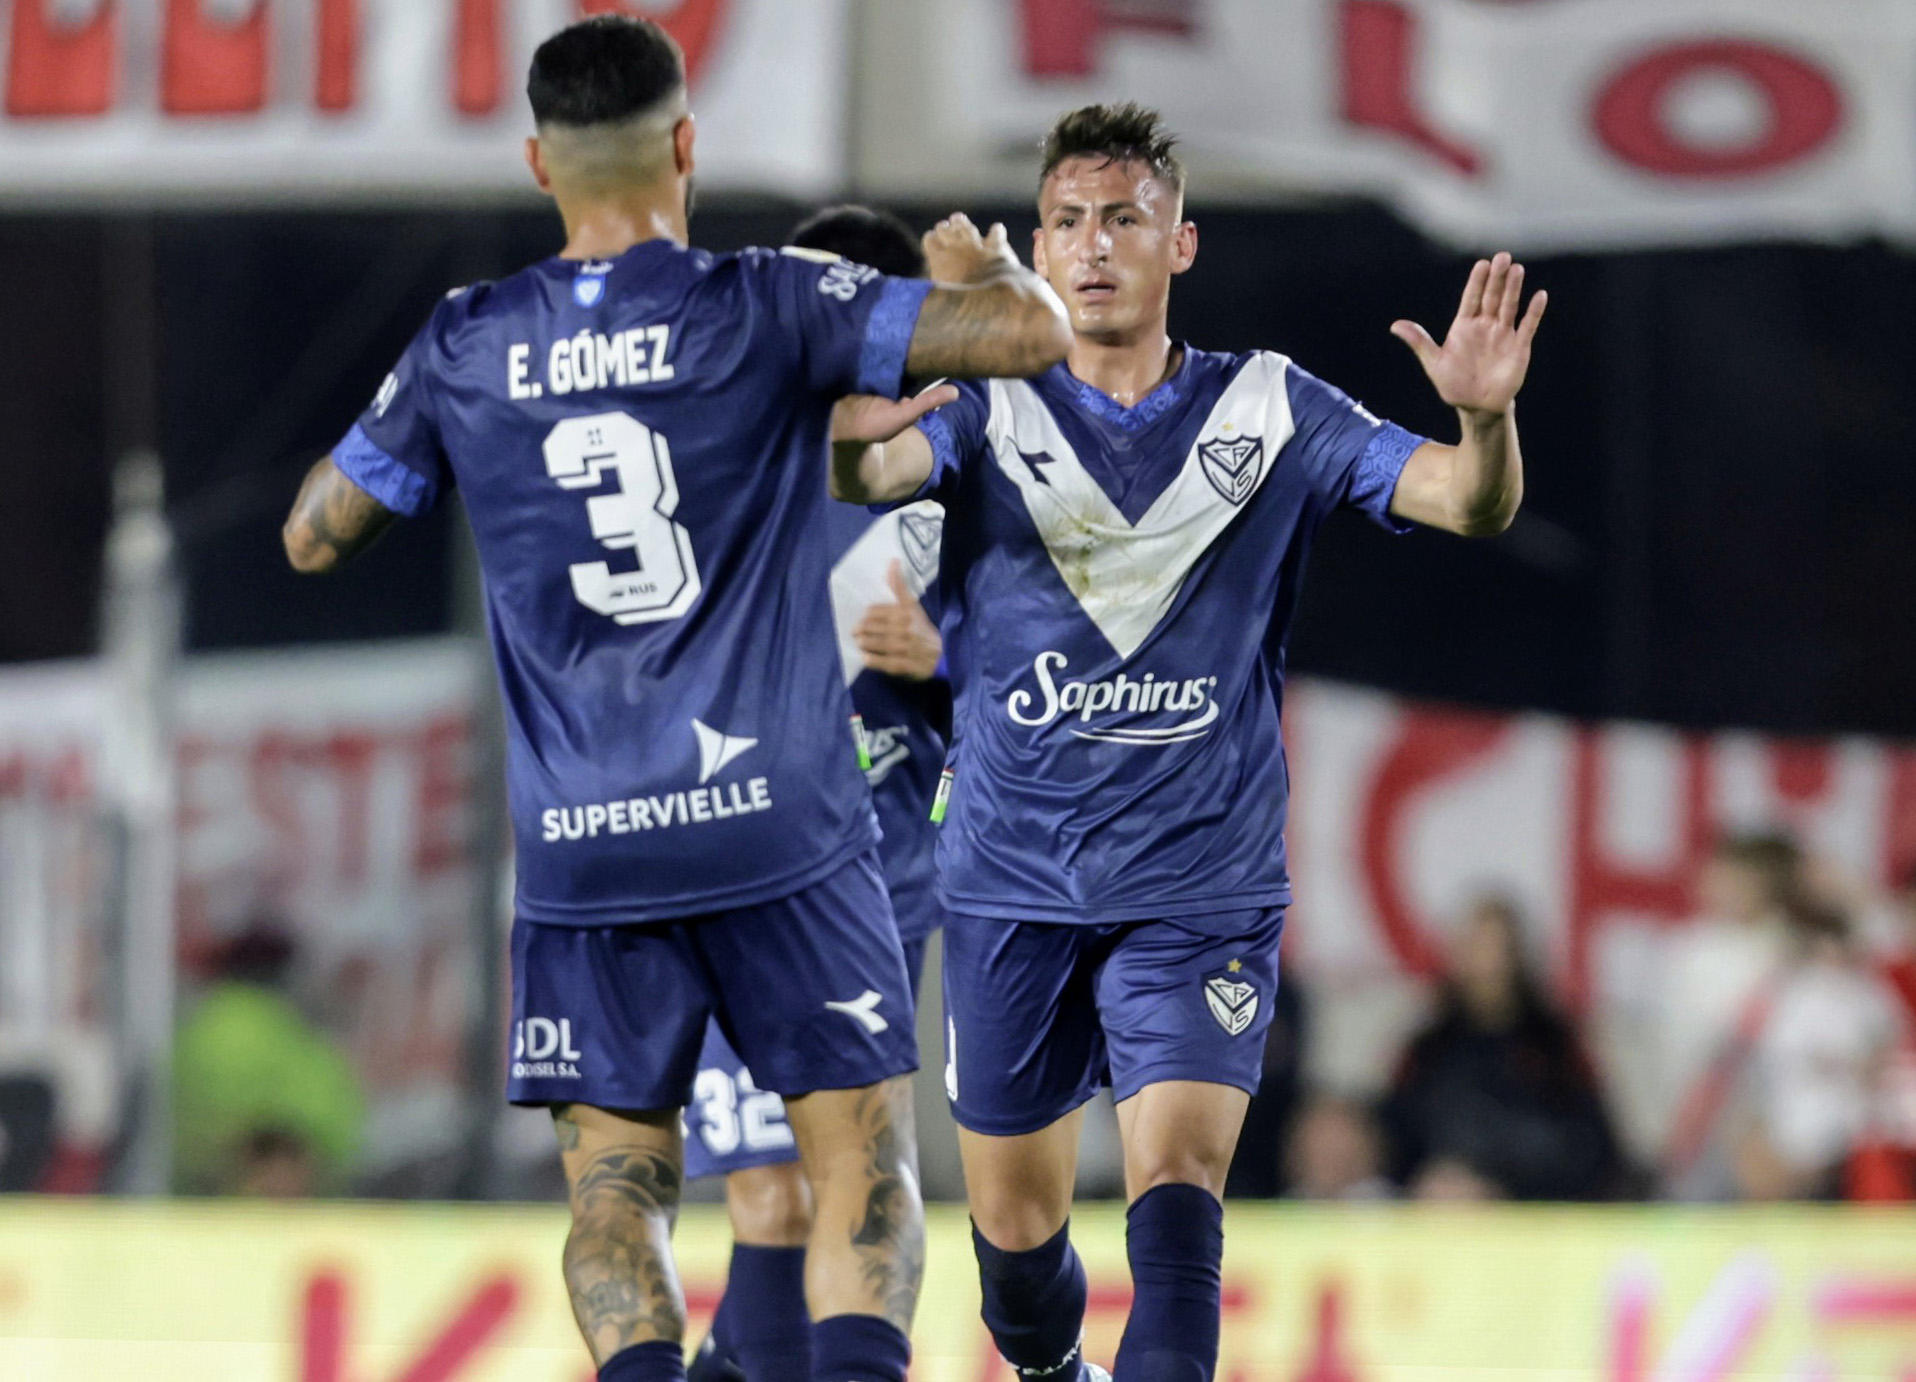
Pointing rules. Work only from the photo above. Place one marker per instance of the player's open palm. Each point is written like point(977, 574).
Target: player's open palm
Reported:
point(1486, 354)
point(870, 419)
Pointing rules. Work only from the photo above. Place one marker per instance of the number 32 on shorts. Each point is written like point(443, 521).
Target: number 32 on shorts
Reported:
point(636, 517)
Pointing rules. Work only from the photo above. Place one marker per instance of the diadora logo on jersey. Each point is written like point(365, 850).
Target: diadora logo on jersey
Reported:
point(588, 289)
point(542, 1049)
point(388, 391)
point(1232, 1002)
point(1231, 463)
point(1191, 697)
point(1125, 575)
point(716, 750)
point(864, 1011)
point(889, 747)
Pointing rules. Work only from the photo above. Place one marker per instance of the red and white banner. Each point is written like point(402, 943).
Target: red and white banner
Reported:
point(1533, 123)
point(1402, 812)
point(385, 99)
point(329, 793)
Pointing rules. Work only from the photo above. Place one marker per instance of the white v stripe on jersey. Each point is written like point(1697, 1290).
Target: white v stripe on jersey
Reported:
point(910, 536)
point(1126, 576)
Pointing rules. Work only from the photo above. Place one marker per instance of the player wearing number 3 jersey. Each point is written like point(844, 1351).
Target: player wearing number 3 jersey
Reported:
point(640, 432)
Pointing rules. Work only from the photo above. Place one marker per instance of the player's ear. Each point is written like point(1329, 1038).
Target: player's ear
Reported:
point(1184, 247)
point(684, 134)
point(1037, 253)
point(536, 161)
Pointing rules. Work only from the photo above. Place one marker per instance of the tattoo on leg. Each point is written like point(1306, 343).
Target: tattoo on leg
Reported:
point(890, 1243)
point(566, 1126)
point(618, 1262)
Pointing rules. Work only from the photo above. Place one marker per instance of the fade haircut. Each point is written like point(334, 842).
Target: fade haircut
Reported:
point(611, 69)
point(1116, 134)
point(866, 236)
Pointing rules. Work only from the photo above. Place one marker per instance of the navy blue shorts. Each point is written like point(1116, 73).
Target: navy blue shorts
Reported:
point(811, 990)
point(1038, 1016)
point(732, 1124)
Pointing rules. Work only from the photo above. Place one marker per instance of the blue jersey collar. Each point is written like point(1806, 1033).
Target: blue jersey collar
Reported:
point(1146, 410)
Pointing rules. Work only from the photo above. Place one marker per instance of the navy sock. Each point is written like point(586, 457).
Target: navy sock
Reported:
point(859, 1348)
point(661, 1360)
point(1034, 1305)
point(717, 1357)
point(1175, 1237)
point(761, 1331)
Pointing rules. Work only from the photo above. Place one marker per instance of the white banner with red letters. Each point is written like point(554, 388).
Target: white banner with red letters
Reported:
point(391, 99)
point(1528, 123)
point(1402, 814)
point(326, 794)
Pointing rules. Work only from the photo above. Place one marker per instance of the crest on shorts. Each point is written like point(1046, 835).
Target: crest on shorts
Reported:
point(1232, 1002)
point(1231, 465)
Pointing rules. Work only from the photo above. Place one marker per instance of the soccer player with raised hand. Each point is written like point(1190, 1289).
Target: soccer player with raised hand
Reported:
point(1124, 541)
point(640, 432)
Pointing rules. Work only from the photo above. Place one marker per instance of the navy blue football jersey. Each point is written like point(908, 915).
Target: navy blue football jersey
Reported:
point(906, 746)
point(641, 444)
point(1117, 585)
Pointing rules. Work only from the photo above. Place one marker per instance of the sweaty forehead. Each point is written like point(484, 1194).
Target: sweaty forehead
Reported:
point(1091, 180)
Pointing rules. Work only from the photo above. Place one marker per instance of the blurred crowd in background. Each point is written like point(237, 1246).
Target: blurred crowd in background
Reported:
point(1786, 1023)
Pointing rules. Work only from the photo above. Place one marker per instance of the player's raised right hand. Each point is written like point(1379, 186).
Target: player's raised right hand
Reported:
point(866, 419)
point(956, 253)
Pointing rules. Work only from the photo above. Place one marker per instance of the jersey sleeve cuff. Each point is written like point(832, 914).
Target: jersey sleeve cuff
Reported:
point(944, 460)
point(881, 364)
point(403, 490)
point(1374, 477)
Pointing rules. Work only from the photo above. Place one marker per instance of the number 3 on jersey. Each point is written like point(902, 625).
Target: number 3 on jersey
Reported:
point(636, 517)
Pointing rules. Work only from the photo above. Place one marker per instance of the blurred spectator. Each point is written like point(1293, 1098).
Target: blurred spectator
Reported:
point(1818, 1054)
point(26, 1130)
point(1897, 945)
point(1336, 1152)
point(1494, 1098)
point(264, 1103)
point(1717, 989)
point(1258, 1170)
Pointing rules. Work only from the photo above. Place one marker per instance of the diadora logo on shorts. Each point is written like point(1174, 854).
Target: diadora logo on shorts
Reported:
point(1230, 463)
point(542, 1049)
point(864, 1011)
point(1191, 697)
point(1232, 1002)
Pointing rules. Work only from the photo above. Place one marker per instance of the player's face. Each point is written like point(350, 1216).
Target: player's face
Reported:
point(1110, 240)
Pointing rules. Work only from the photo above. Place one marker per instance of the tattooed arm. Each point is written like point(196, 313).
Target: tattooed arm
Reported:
point(332, 519)
point(990, 316)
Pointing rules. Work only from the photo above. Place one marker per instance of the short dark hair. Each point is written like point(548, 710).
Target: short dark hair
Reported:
point(1117, 134)
point(864, 236)
point(604, 70)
